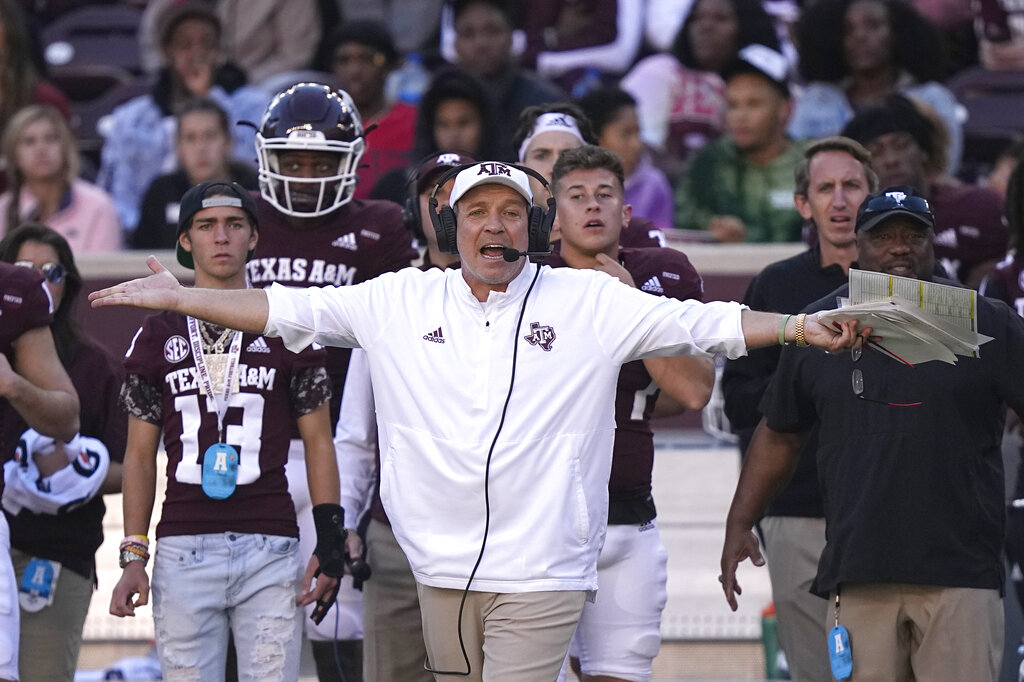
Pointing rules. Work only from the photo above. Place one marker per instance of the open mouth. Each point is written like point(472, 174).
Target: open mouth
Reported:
point(492, 251)
point(594, 224)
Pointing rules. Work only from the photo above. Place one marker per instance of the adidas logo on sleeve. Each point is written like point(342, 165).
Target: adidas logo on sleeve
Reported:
point(436, 336)
point(653, 285)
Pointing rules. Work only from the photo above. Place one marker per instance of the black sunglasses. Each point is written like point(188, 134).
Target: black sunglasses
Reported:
point(893, 200)
point(857, 379)
point(53, 272)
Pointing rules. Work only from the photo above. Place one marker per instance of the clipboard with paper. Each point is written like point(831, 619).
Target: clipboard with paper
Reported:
point(917, 321)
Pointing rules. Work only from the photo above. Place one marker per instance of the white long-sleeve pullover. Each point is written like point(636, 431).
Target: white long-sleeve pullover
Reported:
point(441, 363)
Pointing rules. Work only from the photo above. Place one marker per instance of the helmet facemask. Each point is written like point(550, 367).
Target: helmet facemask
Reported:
point(307, 197)
point(309, 117)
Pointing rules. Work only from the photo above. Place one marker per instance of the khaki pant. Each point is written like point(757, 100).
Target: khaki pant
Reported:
point(52, 637)
point(513, 637)
point(902, 633)
point(393, 647)
point(793, 545)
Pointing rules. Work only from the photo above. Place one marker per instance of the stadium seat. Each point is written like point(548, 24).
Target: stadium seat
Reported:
point(94, 35)
point(993, 101)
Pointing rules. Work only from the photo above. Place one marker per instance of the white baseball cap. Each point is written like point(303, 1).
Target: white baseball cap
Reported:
point(491, 172)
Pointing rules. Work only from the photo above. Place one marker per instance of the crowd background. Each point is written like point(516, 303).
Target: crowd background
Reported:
point(109, 110)
point(454, 74)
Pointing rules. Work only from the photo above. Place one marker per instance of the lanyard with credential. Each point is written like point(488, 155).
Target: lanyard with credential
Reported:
point(220, 462)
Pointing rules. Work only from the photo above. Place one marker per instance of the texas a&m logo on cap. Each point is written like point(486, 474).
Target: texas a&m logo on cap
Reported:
point(492, 168)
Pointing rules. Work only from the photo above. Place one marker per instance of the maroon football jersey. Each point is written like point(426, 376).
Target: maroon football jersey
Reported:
point(1006, 283)
point(256, 424)
point(662, 272)
point(356, 242)
point(641, 233)
point(969, 228)
point(24, 305)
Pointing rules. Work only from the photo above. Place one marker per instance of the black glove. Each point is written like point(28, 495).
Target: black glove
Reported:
point(329, 520)
point(324, 605)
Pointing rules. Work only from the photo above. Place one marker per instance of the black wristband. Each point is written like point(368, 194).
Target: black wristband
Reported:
point(329, 520)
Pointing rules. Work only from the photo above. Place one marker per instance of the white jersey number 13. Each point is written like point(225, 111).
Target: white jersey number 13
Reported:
point(244, 436)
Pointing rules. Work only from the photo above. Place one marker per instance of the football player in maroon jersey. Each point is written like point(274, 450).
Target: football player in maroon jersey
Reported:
point(34, 384)
point(393, 646)
point(228, 537)
point(618, 635)
point(314, 232)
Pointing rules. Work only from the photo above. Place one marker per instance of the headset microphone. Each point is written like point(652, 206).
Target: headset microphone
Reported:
point(512, 255)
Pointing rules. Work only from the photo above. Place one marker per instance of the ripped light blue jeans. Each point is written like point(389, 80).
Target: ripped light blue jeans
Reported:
point(205, 584)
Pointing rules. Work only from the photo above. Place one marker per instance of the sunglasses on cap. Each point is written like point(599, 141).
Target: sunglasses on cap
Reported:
point(896, 200)
point(53, 272)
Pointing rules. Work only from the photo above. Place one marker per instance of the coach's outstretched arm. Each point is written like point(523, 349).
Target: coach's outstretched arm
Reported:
point(246, 310)
point(767, 329)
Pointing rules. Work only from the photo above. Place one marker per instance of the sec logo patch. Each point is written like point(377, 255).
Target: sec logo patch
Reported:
point(175, 349)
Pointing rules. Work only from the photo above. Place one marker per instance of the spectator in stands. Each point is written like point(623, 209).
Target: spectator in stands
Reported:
point(567, 38)
point(203, 144)
point(262, 37)
point(970, 237)
point(1000, 34)
point(362, 55)
point(740, 187)
point(57, 528)
point(680, 95)
point(20, 81)
point(483, 46)
point(1004, 165)
point(43, 183)
point(886, 46)
point(454, 114)
point(1006, 282)
point(612, 113)
point(139, 137)
point(413, 23)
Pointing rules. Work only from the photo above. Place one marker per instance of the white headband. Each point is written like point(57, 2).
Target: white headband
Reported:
point(551, 122)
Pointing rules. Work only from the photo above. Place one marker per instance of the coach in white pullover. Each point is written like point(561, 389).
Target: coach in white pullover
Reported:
point(494, 387)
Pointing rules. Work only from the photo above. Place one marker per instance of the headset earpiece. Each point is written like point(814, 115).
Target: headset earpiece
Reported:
point(541, 222)
point(443, 221)
point(411, 216)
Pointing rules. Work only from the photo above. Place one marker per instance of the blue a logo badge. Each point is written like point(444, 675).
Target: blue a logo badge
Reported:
point(540, 336)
